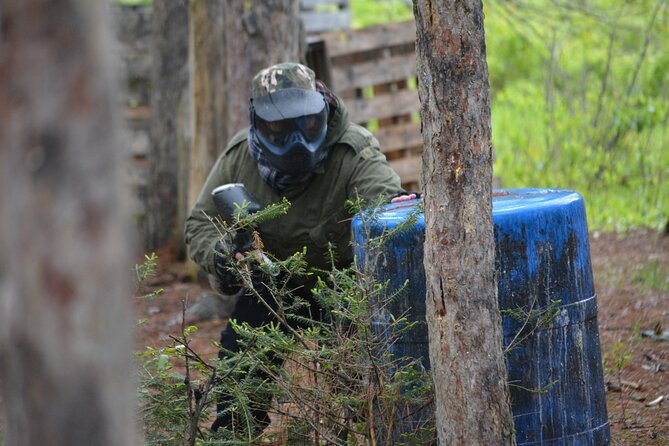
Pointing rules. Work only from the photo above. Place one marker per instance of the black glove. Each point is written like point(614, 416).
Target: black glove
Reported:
point(228, 281)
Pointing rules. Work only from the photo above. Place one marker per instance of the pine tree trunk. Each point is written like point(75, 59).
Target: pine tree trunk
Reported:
point(230, 42)
point(472, 400)
point(65, 321)
point(170, 123)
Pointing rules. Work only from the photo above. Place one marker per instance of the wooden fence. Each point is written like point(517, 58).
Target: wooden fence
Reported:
point(374, 71)
point(325, 15)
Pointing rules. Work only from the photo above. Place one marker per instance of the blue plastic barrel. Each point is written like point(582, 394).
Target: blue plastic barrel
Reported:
point(543, 269)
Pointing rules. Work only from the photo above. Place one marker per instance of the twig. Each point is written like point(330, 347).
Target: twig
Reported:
point(279, 318)
point(189, 440)
point(639, 64)
point(303, 405)
point(513, 342)
point(607, 72)
point(656, 401)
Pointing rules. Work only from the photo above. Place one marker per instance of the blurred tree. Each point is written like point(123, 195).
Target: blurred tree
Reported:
point(472, 400)
point(230, 42)
point(65, 319)
point(220, 45)
point(167, 189)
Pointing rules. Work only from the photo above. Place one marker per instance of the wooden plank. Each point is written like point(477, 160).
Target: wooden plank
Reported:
point(316, 22)
point(313, 4)
point(390, 89)
point(400, 136)
point(380, 71)
point(409, 169)
point(400, 102)
point(370, 38)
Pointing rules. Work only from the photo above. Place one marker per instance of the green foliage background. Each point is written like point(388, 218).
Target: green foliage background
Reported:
point(579, 99)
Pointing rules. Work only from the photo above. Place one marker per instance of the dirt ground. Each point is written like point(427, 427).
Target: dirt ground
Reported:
point(631, 274)
point(632, 281)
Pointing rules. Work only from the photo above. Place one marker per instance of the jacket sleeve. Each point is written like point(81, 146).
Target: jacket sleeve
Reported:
point(371, 174)
point(201, 233)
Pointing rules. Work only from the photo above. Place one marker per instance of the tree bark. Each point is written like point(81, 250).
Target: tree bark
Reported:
point(65, 319)
point(230, 42)
point(472, 399)
point(167, 204)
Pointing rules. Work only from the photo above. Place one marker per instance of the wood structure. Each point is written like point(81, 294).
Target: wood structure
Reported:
point(374, 71)
point(325, 15)
point(226, 53)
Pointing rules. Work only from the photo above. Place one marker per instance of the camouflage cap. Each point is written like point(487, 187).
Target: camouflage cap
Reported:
point(282, 76)
point(285, 91)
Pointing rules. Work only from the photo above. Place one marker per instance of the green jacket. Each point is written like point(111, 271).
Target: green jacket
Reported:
point(317, 214)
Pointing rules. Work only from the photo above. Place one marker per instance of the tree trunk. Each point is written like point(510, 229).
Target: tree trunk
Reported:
point(65, 321)
point(472, 399)
point(230, 42)
point(168, 169)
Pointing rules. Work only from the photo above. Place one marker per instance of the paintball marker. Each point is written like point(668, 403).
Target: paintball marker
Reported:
point(229, 200)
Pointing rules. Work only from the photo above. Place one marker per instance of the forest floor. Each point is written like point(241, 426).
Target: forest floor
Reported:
point(631, 274)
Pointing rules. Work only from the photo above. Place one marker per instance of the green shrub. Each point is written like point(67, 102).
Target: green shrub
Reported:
point(338, 383)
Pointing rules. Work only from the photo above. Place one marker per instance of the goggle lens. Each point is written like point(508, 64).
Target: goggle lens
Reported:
point(278, 132)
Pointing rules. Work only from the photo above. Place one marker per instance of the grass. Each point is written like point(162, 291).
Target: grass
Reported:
point(653, 276)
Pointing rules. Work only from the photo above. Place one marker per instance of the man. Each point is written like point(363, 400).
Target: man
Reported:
point(301, 145)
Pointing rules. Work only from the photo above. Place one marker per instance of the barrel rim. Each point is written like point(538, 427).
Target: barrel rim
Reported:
point(504, 202)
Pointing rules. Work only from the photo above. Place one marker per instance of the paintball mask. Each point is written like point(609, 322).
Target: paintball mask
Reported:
point(289, 118)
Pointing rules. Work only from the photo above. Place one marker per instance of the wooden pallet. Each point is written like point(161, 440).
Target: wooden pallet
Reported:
point(325, 15)
point(374, 71)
